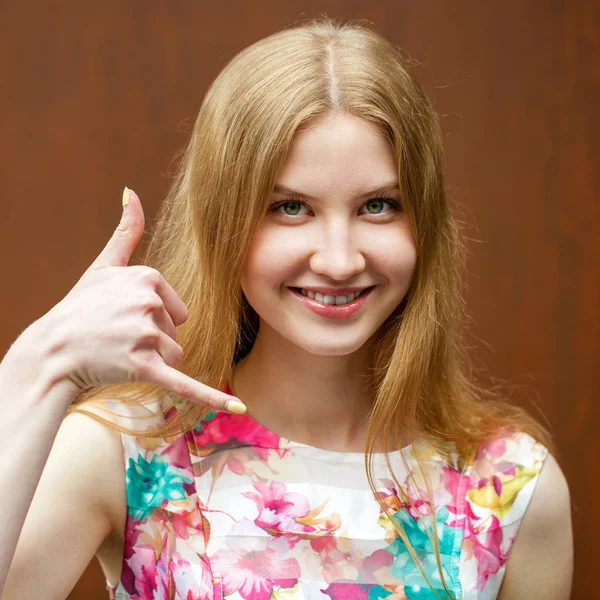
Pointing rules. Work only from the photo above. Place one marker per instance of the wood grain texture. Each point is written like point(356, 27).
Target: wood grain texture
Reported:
point(96, 96)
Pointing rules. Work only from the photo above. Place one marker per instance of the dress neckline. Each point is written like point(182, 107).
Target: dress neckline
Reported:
point(278, 441)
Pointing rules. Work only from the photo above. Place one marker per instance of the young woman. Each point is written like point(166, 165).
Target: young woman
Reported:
point(313, 273)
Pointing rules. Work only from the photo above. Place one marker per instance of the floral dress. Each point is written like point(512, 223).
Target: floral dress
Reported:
point(232, 510)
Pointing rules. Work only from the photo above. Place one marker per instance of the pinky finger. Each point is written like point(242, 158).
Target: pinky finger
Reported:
point(194, 390)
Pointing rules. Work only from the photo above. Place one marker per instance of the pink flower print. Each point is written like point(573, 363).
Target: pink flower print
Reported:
point(187, 523)
point(494, 455)
point(389, 496)
point(142, 576)
point(411, 499)
point(254, 564)
point(486, 549)
point(497, 484)
point(178, 454)
point(374, 568)
point(418, 508)
point(287, 513)
point(195, 581)
point(278, 509)
point(493, 449)
point(457, 484)
point(236, 466)
point(347, 590)
point(224, 428)
point(336, 556)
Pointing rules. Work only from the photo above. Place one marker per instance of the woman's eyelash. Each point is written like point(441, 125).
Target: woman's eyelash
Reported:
point(294, 200)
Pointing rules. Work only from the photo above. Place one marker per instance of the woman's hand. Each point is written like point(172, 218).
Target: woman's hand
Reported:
point(118, 324)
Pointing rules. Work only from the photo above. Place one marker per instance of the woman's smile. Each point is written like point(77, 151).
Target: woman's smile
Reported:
point(333, 307)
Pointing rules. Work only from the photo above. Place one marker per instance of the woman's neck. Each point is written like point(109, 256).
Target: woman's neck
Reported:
point(322, 401)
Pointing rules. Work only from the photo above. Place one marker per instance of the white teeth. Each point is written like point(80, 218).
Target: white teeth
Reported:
point(326, 299)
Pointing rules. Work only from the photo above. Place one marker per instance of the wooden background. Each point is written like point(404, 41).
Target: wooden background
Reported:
point(96, 96)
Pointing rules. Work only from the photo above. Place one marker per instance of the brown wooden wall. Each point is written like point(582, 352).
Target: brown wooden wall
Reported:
point(100, 95)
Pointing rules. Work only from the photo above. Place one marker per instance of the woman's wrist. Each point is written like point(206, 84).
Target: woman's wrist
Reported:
point(35, 367)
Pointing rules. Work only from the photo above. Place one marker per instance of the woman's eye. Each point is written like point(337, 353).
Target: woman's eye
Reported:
point(379, 202)
point(295, 205)
point(375, 206)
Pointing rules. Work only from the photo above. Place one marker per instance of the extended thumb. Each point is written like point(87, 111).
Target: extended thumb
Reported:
point(127, 235)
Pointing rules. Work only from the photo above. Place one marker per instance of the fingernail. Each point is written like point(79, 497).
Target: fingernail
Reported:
point(125, 199)
point(235, 407)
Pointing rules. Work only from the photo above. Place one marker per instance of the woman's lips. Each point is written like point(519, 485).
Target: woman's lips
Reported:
point(334, 311)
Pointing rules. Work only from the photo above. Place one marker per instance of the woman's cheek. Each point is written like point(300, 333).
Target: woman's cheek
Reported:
point(273, 257)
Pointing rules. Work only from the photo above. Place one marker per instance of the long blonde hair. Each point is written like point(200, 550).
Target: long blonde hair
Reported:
point(244, 130)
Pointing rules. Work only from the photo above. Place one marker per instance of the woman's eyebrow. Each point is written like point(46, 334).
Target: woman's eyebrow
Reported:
point(383, 189)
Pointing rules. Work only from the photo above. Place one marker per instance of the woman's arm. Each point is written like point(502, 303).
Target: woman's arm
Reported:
point(540, 565)
point(32, 406)
point(74, 510)
point(47, 539)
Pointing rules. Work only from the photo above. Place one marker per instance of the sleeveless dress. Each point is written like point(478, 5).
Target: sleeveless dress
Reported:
point(232, 510)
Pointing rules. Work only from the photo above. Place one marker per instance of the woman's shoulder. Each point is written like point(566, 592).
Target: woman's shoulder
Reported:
point(541, 562)
point(518, 487)
point(117, 457)
point(502, 474)
point(91, 454)
point(504, 483)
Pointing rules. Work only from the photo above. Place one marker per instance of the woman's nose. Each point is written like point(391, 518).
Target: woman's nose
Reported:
point(337, 254)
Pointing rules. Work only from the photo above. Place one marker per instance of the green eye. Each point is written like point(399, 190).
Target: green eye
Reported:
point(297, 205)
point(376, 202)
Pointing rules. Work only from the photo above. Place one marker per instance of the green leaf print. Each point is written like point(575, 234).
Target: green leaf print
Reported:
point(150, 483)
point(404, 567)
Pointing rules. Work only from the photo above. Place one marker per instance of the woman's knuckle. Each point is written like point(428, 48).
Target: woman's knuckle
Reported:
point(209, 398)
point(150, 301)
point(152, 276)
point(141, 368)
point(170, 359)
point(149, 334)
point(183, 388)
point(175, 355)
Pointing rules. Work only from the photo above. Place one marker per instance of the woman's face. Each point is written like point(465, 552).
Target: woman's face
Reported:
point(342, 237)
